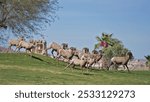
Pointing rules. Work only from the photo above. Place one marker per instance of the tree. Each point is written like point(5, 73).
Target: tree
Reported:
point(116, 50)
point(114, 46)
point(26, 17)
point(148, 61)
point(105, 41)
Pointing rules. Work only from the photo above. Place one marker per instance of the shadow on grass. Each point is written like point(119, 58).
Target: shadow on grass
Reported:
point(87, 73)
point(37, 58)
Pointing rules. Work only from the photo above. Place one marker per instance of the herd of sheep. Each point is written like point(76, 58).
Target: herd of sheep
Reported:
point(83, 58)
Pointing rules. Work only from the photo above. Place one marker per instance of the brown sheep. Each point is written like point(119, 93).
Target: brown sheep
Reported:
point(68, 53)
point(121, 60)
point(56, 47)
point(77, 62)
point(26, 45)
point(15, 42)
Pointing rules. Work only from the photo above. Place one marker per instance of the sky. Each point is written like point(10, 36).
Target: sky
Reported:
point(80, 21)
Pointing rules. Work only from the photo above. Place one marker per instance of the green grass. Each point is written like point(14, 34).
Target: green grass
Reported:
point(22, 69)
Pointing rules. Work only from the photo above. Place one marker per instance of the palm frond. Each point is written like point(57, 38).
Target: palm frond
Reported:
point(97, 46)
point(147, 57)
point(98, 38)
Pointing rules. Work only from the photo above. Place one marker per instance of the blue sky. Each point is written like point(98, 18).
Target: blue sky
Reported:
point(80, 21)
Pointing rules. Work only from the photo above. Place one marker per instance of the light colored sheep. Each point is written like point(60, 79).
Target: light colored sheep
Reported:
point(90, 57)
point(40, 46)
point(77, 62)
point(64, 45)
point(68, 53)
point(56, 47)
point(26, 45)
point(85, 52)
point(121, 60)
point(90, 61)
point(34, 42)
point(94, 58)
point(15, 42)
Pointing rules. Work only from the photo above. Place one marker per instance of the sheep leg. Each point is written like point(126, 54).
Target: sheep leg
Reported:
point(45, 51)
point(99, 66)
point(9, 48)
point(73, 66)
point(116, 67)
point(68, 66)
point(82, 70)
point(58, 57)
point(90, 65)
point(111, 63)
point(16, 49)
point(53, 52)
point(94, 64)
point(127, 68)
point(124, 67)
point(28, 50)
point(88, 68)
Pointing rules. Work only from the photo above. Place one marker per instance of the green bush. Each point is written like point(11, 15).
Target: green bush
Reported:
point(115, 46)
point(148, 60)
point(115, 50)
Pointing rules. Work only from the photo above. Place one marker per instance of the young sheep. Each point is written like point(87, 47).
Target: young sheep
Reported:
point(78, 62)
point(15, 42)
point(26, 45)
point(121, 60)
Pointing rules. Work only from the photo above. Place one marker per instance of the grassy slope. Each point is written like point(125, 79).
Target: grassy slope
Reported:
point(18, 69)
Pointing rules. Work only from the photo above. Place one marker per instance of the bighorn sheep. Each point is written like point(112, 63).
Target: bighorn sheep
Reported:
point(85, 52)
point(26, 45)
point(94, 58)
point(40, 46)
point(79, 62)
point(121, 60)
point(56, 47)
point(68, 53)
point(34, 42)
point(90, 61)
point(15, 42)
point(64, 45)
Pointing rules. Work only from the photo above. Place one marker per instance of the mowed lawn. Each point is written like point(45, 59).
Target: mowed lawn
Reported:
point(22, 69)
